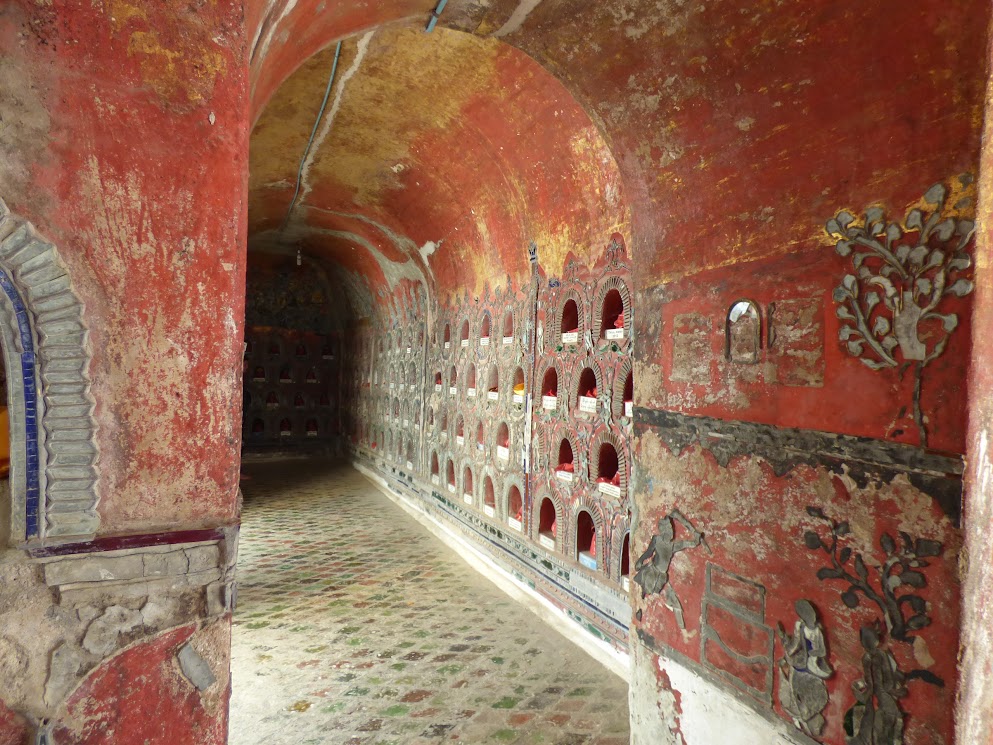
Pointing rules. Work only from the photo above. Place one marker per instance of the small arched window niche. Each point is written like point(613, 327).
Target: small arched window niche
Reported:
point(470, 381)
point(468, 492)
point(519, 389)
point(489, 498)
point(448, 336)
point(515, 508)
point(566, 468)
point(438, 382)
point(508, 327)
point(493, 383)
point(299, 402)
point(570, 322)
point(586, 540)
point(608, 470)
point(450, 476)
point(503, 443)
point(443, 425)
point(743, 333)
point(480, 436)
point(258, 427)
point(301, 350)
point(613, 316)
point(587, 390)
point(548, 524)
point(312, 428)
point(460, 431)
point(285, 428)
point(484, 330)
point(464, 336)
point(550, 389)
point(453, 381)
point(435, 470)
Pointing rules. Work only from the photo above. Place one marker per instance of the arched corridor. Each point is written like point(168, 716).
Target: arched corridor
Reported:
point(355, 625)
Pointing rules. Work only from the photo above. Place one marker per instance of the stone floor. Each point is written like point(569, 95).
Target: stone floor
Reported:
point(356, 625)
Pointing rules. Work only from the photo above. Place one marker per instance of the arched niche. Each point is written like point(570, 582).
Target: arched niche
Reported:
point(743, 333)
point(53, 470)
point(515, 506)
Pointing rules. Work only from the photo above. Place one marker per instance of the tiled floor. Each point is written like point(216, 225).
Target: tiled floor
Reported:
point(356, 625)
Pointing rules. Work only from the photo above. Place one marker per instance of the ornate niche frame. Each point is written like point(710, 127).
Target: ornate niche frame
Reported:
point(53, 475)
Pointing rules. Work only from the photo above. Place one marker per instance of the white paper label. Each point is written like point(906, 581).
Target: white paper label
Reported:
point(408, 350)
point(464, 343)
point(451, 488)
point(460, 440)
point(484, 341)
point(518, 398)
point(437, 387)
point(564, 476)
point(626, 583)
point(405, 423)
point(492, 395)
point(614, 334)
point(470, 392)
point(453, 390)
point(467, 498)
point(503, 453)
point(392, 385)
point(508, 340)
point(488, 510)
point(515, 524)
point(435, 480)
point(570, 338)
point(587, 404)
point(410, 465)
point(611, 490)
point(629, 409)
point(549, 402)
point(311, 433)
point(547, 542)
point(448, 345)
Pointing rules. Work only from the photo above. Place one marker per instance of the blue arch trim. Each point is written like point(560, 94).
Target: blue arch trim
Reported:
point(32, 495)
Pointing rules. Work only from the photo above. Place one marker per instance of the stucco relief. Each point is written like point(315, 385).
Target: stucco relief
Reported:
point(47, 359)
point(893, 307)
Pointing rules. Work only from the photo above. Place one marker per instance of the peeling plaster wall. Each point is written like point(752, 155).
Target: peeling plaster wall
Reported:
point(124, 141)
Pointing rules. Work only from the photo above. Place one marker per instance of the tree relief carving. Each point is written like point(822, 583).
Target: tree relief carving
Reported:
point(893, 585)
point(892, 307)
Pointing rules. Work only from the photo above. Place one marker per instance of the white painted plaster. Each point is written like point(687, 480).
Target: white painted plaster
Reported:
point(708, 714)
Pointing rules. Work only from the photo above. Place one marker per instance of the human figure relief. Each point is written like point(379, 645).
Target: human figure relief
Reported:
point(652, 567)
point(803, 670)
point(876, 718)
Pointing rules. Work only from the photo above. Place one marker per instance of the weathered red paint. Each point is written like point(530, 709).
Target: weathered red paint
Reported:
point(140, 696)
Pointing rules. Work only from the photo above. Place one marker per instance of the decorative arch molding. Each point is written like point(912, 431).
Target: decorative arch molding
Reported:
point(45, 346)
point(617, 394)
point(561, 539)
point(553, 325)
point(576, 374)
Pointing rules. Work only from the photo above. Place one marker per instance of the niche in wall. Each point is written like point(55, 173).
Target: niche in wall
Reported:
point(508, 327)
point(550, 389)
point(503, 442)
point(586, 543)
point(570, 322)
point(587, 391)
point(608, 478)
point(519, 389)
point(515, 508)
point(468, 492)
point(743, 333)
point(470, 381)
point(547, 524)
point(612, 316)
point(493, 383)
point(484, 330)
point(489, 497)
point(464, 336)
point(566, 468)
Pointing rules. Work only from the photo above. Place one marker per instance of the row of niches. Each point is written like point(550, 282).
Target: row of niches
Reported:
point(580, 388)
point(498, 439)
point(275, 400)
point(606, 322)
point(263, 350)
point(490, 385)
point(489, 334)
point(583, 541)
point(288, 374)
point(603, 465)
point(268, 428)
